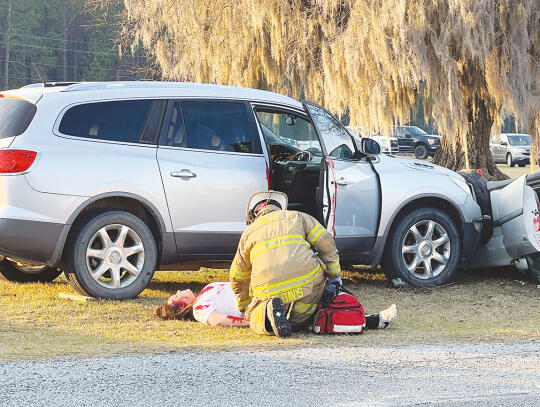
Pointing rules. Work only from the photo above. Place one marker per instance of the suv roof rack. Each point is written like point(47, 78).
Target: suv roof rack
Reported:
point(80, 86)
point(48, 84)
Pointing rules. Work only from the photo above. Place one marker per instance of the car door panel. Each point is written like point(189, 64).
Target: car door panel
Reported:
point(208, 210)
point(356, 206)
point(211, 164)
point(353, 188)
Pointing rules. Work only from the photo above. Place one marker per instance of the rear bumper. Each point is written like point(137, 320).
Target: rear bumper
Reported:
point(33, 241)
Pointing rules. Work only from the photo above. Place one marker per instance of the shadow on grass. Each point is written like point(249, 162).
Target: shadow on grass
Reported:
point(173, 286)
point(504, 274)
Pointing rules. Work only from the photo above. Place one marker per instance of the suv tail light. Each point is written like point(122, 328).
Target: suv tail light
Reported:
point(13, 161)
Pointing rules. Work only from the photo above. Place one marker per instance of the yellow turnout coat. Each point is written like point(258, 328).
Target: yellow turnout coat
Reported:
point(287, 254)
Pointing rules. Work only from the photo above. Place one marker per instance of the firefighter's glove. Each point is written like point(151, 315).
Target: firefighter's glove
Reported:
point(335, 281)
point(330, 292)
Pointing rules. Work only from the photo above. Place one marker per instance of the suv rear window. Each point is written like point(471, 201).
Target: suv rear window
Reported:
point(15, 116)
point(128, 121)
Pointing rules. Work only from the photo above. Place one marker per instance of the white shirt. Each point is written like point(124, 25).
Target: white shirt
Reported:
point(215, 297)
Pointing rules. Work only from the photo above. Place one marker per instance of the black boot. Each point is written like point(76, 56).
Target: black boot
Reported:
point(278, 318)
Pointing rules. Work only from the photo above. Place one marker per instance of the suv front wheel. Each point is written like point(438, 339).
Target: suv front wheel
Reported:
point(112, 256)
point(423, 248)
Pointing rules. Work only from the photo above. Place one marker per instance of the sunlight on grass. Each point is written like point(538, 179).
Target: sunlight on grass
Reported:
point(36, 323)
point(514, 172)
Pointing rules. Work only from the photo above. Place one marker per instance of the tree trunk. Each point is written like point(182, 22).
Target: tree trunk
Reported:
point(479, 156)
point(6, 53)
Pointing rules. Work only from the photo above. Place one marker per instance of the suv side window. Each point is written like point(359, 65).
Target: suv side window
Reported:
point(128, 121)
point(286, 128)
point(217, 126)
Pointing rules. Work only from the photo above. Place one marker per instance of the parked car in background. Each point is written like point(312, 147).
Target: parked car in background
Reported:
point(511, 148)
point(412, 139)
point(110, 181)
point(389, 145)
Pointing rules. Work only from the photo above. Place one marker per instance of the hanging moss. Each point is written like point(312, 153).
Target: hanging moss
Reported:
point(366, 58)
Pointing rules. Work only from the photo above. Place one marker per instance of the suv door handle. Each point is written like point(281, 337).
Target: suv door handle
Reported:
point(183, 173)
point(342, 181)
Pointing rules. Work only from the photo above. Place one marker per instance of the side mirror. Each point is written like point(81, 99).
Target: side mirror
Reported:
point(504, 143)
point(369, 146)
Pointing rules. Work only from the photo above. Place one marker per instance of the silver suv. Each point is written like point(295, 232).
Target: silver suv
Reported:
point(511, 148)
point(111, 181)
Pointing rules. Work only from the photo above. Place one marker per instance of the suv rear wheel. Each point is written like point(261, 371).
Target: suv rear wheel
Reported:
point(12, 270)
point(423, 248)
point(113, 256)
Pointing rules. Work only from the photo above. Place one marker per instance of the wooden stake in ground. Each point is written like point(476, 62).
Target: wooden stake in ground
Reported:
point(76, 297)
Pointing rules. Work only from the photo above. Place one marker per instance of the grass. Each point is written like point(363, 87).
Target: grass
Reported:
point(515, 171)
point(477, 306)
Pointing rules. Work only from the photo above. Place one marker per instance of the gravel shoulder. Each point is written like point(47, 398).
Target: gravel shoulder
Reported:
point(449, 374)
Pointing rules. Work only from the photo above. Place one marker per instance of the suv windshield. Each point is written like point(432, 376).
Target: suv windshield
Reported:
point(519, 140)
point(15, 116)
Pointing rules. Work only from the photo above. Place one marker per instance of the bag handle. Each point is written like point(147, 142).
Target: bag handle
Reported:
point(341, 288)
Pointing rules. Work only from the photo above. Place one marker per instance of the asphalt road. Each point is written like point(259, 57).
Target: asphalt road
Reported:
point(446, 375)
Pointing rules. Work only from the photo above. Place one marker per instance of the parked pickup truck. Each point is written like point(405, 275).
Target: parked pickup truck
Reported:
point(111, 181)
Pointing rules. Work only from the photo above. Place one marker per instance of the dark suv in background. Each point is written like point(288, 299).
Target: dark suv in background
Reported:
point(412, 139)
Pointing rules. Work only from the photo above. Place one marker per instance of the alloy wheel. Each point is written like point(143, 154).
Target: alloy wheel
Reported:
point(420, 152)
point(425, 249)
point(115, 256)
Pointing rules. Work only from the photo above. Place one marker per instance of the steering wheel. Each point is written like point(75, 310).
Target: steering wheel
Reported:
point(303, 155)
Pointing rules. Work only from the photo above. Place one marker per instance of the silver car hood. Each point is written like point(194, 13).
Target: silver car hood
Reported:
point(417, 165)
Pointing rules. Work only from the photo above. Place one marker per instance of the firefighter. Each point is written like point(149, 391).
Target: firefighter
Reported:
point(283, 261)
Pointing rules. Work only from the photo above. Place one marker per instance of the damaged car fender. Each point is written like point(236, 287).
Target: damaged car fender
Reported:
point(428, 185)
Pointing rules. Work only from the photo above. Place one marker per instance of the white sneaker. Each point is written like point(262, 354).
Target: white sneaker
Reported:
point(387, 317)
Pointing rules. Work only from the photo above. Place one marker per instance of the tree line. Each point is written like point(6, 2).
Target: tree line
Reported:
point(63, 40)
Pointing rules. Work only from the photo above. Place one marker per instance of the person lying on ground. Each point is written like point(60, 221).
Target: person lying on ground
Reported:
point(215, 305)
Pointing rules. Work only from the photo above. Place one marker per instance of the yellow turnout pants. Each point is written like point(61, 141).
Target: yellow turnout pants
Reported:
point(299, 312)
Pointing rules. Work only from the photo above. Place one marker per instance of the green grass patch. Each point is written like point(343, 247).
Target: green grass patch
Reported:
point(515, 171)
point(477, 306)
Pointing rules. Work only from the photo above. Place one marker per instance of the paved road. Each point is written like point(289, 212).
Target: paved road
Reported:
point(447, 375)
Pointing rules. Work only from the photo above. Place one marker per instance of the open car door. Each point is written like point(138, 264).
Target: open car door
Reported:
point(351, 202)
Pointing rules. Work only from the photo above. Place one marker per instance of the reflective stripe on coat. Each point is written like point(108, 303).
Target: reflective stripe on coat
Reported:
point(282, 253)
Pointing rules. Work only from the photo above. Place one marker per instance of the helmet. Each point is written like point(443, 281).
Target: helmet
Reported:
point(262, 199)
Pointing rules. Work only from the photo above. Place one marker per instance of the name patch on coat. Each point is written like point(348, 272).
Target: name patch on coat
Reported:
point(292, 295)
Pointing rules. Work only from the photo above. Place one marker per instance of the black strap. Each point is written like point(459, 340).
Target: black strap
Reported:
point(343, 289)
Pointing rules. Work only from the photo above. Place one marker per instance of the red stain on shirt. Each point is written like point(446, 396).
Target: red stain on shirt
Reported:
point(198, 307)
point(235, 319)
point(207, 288)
